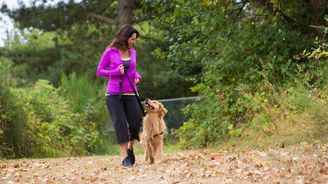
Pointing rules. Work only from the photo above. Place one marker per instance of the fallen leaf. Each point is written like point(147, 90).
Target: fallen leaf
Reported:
point(324, 170)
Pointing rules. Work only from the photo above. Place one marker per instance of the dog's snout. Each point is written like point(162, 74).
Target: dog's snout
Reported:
point(146, 100)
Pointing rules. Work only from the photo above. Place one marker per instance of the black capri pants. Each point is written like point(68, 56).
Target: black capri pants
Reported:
point(126, 117)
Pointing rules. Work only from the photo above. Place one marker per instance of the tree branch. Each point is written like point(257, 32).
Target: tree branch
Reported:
point(239, 9)
point(296, 24)
point(102, 18)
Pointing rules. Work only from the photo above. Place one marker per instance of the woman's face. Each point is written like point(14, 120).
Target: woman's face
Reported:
point(132, 40)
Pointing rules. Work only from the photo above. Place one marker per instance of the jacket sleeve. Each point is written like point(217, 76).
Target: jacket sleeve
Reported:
point(104, 62)
point(137, 75)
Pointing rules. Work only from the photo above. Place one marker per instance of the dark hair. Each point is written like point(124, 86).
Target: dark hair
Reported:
point(122, 36)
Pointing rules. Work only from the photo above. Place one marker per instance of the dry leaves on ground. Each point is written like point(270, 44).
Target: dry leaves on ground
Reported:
point(298, 164)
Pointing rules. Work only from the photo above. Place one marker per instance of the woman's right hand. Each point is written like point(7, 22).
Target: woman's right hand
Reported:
point(121, 67)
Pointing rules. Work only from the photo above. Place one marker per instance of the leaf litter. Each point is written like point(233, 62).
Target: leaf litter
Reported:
point(302, 164)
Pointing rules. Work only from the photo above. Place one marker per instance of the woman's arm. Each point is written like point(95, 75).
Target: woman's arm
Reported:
point(104, 62)
point(137, 77)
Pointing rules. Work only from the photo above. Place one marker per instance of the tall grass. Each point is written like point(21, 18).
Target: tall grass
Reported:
point(87, 98)
point(79, 90)
point(286, 115)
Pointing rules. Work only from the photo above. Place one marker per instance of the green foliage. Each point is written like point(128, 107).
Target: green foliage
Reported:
point(242, 57)
point(37, 122)
point(299, 98)
point(78, 40)
point(11, 118)
point(6, 75)
point(160, 79)
point(79, 91)
point(204, 127)
point(310, 104)
point(52, 128)
point(234, 132)
point(87, 99)
point(233, 53)
point(34, 55)
point(62, 16)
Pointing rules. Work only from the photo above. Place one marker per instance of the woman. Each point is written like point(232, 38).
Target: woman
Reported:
point(118, 63)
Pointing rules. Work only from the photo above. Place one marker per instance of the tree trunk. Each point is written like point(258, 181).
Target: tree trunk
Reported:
point(125, 12)
point(317, 8)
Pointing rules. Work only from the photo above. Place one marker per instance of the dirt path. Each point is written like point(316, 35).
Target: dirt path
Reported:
point(298, 164)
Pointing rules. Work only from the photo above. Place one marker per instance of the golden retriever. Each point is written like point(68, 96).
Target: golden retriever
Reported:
point(152, 136)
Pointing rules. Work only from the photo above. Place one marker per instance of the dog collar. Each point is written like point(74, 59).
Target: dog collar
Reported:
point(158, 134)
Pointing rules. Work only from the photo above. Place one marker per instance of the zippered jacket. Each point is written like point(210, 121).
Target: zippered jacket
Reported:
point(108, 67)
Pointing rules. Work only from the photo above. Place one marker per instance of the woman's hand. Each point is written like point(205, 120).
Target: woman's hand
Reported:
point(137, 80)
point(121, 67)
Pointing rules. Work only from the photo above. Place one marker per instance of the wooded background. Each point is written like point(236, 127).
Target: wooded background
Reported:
point(254, 63)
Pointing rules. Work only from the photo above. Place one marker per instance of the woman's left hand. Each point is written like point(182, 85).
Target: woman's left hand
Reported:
point(137, 80)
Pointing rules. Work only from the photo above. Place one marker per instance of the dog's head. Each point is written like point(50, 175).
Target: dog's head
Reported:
point(155, 106)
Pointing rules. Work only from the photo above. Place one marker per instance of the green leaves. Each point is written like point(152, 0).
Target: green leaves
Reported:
point(234, 132)
point(45, 125)
point(78, 90)
point(235, 54)
point(225, 49)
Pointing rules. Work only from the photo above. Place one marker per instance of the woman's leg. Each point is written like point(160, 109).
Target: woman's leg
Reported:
point(123, 150)
point(130, 144)
point(134, 118)
point(115, 107)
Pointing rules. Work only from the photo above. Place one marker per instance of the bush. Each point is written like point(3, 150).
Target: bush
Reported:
point(85, 97)
point(38, 122)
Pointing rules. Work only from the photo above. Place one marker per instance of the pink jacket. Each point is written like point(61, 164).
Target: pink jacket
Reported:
point(108, 67)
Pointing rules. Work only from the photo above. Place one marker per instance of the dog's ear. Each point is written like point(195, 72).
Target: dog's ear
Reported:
point(162, 110)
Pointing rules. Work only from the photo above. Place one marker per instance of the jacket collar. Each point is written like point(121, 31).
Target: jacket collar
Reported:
point(132, 50)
